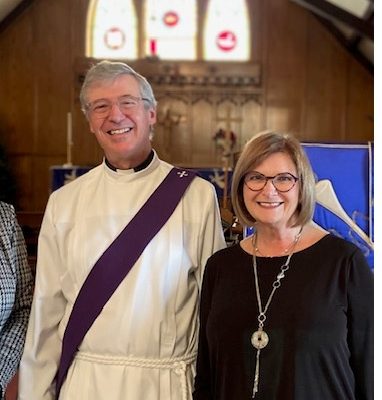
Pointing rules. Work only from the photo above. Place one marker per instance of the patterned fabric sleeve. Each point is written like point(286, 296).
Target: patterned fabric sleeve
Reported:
point(16, 284)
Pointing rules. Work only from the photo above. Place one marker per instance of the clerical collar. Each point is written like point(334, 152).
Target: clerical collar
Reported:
point(139, 167)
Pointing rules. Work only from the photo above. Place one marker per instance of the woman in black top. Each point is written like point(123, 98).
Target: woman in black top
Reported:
point(287, 314)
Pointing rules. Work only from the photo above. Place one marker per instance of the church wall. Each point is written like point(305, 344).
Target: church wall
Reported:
point(284, 65)
point(313, 87)
point(309, 85)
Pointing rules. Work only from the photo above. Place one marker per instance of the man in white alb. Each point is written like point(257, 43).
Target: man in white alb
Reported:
point(142, 344)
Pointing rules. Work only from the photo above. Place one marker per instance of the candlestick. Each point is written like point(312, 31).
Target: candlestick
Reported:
point(69, 139)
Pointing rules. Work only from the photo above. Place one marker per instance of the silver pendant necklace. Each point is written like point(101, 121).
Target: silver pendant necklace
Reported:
point(260, 338)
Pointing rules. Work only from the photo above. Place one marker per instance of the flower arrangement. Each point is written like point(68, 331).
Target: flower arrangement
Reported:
point(224, 141)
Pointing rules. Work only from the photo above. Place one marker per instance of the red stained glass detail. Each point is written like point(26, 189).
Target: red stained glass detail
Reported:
point(114, 38)
point(171, 18)
point(226, 41)
point(153, 46)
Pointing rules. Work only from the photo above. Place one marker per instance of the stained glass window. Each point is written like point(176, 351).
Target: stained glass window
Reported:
point(112, 29)
point(170, 27)
point(168, 30)
point(226, 34)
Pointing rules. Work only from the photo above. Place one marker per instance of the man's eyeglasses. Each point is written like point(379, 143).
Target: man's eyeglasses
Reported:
point(102, 107)
point(256, 181)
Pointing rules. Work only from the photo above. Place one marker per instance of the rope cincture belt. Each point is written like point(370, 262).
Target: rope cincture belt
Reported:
point(176, 364)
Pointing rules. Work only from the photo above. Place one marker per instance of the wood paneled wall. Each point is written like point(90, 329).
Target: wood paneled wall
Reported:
point(310, 85)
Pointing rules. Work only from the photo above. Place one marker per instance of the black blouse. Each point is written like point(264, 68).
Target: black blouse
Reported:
point(319, 323)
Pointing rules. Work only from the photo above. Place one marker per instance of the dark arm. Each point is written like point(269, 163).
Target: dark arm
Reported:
point(203, 382)
point(361, 326)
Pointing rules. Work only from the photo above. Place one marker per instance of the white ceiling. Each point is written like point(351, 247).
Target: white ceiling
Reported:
point(7, 6)
point(354, 29)
point(355, 7)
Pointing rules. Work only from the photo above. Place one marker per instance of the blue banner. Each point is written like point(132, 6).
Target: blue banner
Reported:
point(61, 175)
point(345, 192)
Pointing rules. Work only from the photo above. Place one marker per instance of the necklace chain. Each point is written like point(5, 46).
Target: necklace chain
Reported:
point(260, 338)
point(285, 251)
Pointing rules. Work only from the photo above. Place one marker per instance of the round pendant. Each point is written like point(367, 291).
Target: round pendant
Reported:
point(259, 339)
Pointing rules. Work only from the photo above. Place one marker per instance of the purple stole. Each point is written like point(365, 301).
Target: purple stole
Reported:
point(117, 260)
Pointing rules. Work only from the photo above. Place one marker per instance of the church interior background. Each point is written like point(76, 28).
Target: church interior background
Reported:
point(221, 72)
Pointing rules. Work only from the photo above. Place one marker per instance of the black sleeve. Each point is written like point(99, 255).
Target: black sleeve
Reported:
point(361, 326)
point(202, 390)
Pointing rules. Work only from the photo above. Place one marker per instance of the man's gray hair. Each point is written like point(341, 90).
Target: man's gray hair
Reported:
point(109, 71)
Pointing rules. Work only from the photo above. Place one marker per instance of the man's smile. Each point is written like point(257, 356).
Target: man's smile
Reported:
point(119, 131)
